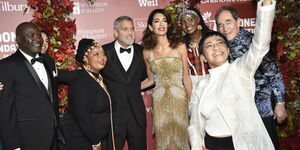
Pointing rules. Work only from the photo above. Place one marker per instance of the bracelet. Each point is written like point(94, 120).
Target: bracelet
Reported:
point(280, 103)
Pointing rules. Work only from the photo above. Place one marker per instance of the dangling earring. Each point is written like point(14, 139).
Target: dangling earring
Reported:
point(87, 67)
point(199, 27)
point(203, 58)
point(150, 28)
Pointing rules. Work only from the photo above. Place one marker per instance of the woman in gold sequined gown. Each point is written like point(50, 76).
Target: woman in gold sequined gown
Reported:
point(166, 60)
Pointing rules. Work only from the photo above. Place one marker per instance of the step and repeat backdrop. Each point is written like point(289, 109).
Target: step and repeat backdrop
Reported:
point(96, 22)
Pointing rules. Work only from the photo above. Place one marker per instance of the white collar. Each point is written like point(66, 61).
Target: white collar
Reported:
point(28, 57)
point(218, 69)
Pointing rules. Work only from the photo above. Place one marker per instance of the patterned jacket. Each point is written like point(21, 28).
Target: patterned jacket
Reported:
point(268, 78)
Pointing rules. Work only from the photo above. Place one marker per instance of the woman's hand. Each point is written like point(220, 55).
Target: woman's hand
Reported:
point(146, 83)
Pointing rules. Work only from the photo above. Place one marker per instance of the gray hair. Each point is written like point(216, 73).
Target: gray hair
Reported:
point(233, 12)
point(120, 19)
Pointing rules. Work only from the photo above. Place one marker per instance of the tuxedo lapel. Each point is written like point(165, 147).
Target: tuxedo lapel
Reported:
point(34, 74)
point(50, 79)
point(112, 60)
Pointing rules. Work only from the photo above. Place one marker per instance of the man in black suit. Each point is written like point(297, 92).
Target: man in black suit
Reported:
point(28, 102)
point(123, 74)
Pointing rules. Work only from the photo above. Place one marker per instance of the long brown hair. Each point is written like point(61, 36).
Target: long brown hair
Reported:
point(174, 35)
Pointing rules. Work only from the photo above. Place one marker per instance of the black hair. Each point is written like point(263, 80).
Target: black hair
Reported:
point(83, 45)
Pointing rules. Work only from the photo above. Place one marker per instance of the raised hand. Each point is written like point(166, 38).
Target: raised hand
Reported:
point(267, 2)
point(1, 86)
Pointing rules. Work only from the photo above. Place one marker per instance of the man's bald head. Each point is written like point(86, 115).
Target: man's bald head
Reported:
point(29, 38)
point(20, 28)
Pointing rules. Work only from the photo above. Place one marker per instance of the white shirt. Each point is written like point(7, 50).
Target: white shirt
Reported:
point(39, 69)
point(125, 58)
point(215, 123)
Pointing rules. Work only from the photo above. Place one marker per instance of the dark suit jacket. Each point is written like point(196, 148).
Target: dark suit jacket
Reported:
point(88, 119)
point(124, 90)
point(28, 111)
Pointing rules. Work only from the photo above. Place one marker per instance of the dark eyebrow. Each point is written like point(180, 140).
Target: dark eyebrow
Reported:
point(227, 20)
point(208, 43)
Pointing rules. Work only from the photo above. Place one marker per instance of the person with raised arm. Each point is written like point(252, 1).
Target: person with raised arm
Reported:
point(223, 113)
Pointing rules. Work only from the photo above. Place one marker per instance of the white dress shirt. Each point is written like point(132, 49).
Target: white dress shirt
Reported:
point(39, 69)
point(125, 57)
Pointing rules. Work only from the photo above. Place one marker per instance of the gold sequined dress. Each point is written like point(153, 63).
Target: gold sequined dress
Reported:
point(170, 103)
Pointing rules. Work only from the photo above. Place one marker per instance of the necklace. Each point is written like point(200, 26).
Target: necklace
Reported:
point(194, 44)
point(99, 79)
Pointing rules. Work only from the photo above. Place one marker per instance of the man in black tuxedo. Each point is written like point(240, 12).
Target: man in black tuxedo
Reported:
point(123, 74)
point(28, 102)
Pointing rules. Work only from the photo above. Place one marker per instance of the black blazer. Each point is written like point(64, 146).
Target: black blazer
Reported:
point(28, 111)
point(122, 89)
point(88, 113)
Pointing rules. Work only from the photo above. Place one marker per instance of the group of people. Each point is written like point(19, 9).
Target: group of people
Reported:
point(212, 90)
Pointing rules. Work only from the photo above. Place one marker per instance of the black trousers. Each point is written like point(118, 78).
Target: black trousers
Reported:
point(213, 143)
point(129, 130)
point(270, 125)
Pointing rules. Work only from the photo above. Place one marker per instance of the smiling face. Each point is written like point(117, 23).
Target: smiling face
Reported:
point(159, 24)
point(189, 23)
point(227, 25)
point(215, 51)
point(125, 33)
point(29, 40)
point(96, 59)
point(45, 42)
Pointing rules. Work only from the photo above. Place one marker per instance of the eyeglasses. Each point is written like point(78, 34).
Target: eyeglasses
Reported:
point(218, 43)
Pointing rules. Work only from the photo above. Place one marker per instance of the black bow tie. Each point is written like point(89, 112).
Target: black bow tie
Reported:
point(39, 59)
point(128, 50)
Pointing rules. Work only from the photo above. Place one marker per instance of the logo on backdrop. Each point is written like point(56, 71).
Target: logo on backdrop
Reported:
point(96, 34)
point(148, 3)
point(248, 24)
point(140, 24)
point(210, 23)
point(223, 1)
point(7, 43)
point(86, 8)
point(5, 6)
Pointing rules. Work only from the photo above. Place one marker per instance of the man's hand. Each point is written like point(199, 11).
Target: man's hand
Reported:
point(1, 86)
point(279, 113)
point(98, 147)
point(267, 2)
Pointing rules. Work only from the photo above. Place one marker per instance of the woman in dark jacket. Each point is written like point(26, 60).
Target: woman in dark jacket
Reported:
point(89, 120)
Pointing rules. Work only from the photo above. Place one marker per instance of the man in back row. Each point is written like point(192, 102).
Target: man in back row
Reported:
point(268, 79)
